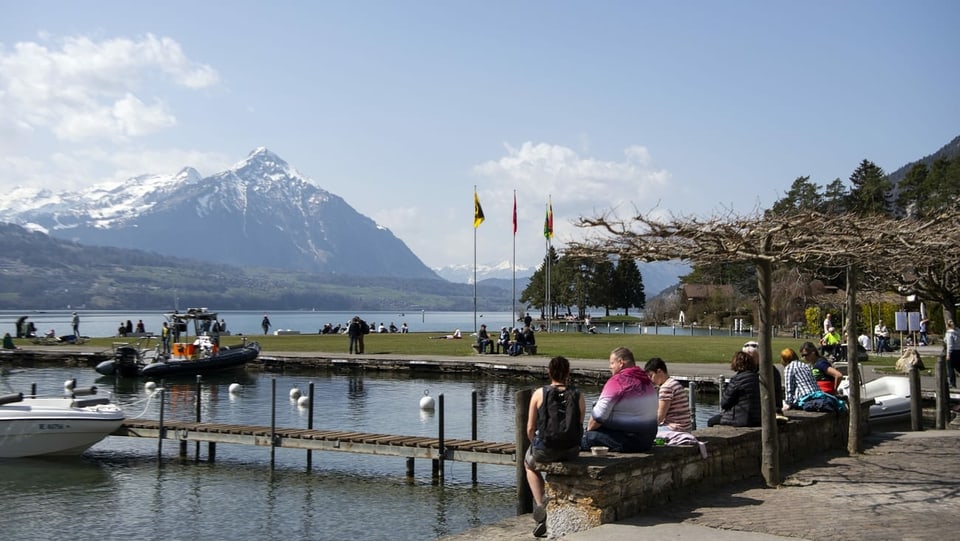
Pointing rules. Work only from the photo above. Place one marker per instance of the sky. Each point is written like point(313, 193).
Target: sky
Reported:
point(404, 109)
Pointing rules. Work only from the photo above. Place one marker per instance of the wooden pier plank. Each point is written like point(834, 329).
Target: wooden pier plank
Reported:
point(323, 440)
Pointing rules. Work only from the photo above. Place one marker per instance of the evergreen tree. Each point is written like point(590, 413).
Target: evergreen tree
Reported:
point(802, 194)
point(629, 285)
point(871, 192)
point(835, 197)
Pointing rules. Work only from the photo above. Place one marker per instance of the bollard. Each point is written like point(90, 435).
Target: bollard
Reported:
point(943, 393)
point(916, 410)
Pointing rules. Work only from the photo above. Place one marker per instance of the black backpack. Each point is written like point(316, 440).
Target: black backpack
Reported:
point(364, 327)
point(559, 420)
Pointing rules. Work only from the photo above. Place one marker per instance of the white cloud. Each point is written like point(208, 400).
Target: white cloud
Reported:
point(81, 88)
point(578, 186)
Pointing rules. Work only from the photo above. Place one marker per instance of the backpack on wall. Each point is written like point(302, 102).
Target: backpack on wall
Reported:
point(559, 420)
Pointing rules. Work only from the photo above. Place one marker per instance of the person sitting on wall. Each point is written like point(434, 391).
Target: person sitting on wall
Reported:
point(624, 418)
point(484, 343)
point(8, 342)
point(503, 341)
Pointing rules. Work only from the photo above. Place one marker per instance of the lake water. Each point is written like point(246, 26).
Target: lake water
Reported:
point(105, 322)
point(119, 490)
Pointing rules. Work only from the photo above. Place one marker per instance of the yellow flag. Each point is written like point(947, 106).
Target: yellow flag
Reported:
point(477, 211)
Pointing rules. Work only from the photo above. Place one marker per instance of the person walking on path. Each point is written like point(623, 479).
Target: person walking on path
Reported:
point(539, 425)
point(951, 347)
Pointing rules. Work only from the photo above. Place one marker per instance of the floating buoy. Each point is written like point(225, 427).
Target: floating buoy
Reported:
point(426, 403)
point(295, 393)
point(303, 401)
point(150, 386)
point(234, 388)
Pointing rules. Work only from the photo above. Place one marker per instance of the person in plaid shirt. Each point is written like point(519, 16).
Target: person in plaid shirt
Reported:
point(798, 380)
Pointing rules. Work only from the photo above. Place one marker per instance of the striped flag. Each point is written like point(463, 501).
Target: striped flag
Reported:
point(477, 211)
point(548, 221)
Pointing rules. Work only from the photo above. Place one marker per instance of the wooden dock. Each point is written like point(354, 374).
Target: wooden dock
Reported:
point(410, 447)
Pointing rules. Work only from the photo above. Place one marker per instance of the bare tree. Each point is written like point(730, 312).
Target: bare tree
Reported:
point(873, 248)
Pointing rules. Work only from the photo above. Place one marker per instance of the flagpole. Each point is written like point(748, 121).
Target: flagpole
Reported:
point(475, 258)
point(513, 265)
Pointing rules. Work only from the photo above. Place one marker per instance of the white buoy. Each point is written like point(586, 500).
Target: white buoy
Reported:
point(234, 388)
point(303, 401)
point(426, 403)
point(295, 393)
point(150, 386)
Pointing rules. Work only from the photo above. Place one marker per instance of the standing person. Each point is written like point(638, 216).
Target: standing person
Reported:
point(740, 401)
point(527, 320)
point(75, 323)
point(881, 337)
point(798, 378)
point(673, 411)
point(554, 431)
point(827, 324)
point(265, 324)
point(353, 332)
point(165, 338)
point(624, 418)
point(951, 346)
point(923, 331)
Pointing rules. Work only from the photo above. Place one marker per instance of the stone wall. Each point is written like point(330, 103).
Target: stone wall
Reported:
point(593, 490)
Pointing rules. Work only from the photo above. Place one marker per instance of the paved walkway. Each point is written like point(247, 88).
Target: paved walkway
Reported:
point(905, 486)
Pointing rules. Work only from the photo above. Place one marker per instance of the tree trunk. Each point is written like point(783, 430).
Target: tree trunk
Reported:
point(770, 440)
point(853, 364)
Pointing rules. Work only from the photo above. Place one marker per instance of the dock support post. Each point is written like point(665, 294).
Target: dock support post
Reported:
point(310, 426)
point(162, 432)
point(473, 431)
point(410, 468)
point(524, 496)
point(273, 420)
point(692, 399)
point(199, 390)
point(441, 452)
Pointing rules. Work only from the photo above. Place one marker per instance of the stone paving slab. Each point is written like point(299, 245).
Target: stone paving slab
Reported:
point(905, 486)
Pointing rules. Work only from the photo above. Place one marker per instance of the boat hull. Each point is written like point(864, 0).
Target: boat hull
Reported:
point(54, 427)
point(228, 358)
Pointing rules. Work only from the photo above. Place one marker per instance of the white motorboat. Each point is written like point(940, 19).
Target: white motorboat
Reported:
point(890, 395)
point(37, 426)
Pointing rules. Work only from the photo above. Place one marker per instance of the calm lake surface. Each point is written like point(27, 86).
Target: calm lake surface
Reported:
point(119, 490)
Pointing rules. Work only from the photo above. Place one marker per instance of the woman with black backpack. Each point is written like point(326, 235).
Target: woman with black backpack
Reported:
point(554, 428)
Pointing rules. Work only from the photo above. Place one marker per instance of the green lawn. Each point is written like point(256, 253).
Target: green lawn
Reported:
point(673, 349)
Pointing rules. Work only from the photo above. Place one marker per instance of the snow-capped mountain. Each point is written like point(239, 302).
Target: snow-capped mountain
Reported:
point(260, 212)
point(463, 274)
point(657, 275)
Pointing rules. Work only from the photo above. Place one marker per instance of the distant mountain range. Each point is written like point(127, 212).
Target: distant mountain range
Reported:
point(657, 276)
point(260, 212)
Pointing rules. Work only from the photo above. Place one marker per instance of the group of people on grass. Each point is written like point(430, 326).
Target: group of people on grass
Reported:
point(642, 407)
point(513, 342)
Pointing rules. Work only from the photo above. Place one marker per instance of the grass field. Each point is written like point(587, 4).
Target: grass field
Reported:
point(673, 349)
